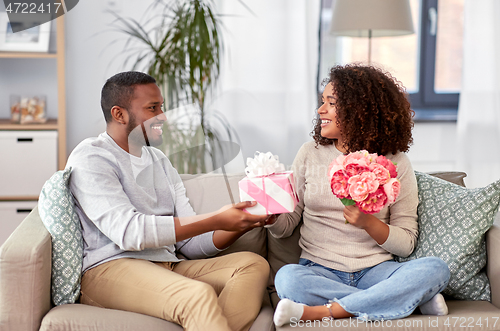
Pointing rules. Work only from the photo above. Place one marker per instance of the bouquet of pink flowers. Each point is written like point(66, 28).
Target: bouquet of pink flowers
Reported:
point(366, 180)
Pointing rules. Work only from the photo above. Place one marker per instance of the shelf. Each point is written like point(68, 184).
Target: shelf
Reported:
point(51, 124)
point(19, 198)
point(54, 126)
point(28, 55)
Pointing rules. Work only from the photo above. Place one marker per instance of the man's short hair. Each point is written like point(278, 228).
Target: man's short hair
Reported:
point(119, 90)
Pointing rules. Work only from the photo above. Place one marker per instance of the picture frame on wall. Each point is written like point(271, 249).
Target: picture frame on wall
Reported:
point(34, 39)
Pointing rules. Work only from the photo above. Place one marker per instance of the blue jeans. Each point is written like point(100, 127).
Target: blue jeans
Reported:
point(389, 290)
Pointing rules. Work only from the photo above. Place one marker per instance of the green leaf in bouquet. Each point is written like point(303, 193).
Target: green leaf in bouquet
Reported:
point(347, 202)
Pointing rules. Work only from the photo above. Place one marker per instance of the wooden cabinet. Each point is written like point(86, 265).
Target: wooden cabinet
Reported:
point(46, 153)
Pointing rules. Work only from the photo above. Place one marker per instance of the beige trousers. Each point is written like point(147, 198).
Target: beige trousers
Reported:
point(221, 293)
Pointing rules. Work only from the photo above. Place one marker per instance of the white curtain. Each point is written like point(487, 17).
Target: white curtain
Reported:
point(478, 124)
point(267, 88)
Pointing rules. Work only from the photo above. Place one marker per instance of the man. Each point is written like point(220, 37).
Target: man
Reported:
point(135, 217)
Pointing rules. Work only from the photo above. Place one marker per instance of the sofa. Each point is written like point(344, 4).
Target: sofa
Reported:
point(25, 279)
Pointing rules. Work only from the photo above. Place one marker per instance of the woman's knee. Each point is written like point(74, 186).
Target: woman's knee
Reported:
point(438, 267)
point(287, 280)
point(432, 265)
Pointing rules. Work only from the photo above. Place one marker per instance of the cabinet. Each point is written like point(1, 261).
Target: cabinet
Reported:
point(33, 155)
point(34, 151)
point(12, 214)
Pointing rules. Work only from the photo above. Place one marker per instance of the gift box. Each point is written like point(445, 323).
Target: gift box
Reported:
point(269, 185)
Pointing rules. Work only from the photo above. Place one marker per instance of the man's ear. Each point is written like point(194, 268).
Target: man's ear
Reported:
point(119, 114)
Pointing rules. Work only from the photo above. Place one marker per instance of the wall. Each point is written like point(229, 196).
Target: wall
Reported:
point(93, 54)
point(267, 80)
point(93, 51)
point(434, 147)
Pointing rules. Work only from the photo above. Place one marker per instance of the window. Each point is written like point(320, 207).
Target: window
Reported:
point(428, 63)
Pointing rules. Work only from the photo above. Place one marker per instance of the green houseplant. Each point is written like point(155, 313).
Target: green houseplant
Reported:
point(182, 49)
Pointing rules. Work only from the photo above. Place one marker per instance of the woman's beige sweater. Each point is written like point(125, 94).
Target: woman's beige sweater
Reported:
point(325, 237)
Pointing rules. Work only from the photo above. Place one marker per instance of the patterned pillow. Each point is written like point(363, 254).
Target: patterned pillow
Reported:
point(56, 208)
point(453, 221)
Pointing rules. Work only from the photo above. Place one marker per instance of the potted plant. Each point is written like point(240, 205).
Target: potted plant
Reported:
point(182, 50)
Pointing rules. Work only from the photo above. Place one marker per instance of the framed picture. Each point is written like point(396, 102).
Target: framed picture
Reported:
point(34, 39)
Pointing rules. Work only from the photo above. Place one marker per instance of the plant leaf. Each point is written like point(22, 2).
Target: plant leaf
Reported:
point(348, 202)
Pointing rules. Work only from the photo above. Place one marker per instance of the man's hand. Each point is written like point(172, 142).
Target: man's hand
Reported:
point(229, 218)
point(233, 218)
point(235, 223)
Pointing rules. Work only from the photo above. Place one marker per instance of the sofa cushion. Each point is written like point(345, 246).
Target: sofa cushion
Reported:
point(282, 251)
point(209, 192)
point(78, 317)
point(56, 208)
point(456, 177)
point(453, 221)
point(463, 315)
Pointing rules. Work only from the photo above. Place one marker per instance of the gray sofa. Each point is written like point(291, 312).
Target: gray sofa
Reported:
point(25, 271)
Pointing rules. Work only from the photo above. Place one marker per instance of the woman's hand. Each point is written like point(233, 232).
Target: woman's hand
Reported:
point(377, 229)
point(357, 218)
point(272, 219)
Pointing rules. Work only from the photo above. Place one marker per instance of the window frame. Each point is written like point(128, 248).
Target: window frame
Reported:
point(427, 104)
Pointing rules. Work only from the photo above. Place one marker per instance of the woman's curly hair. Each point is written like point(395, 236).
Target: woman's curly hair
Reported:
point(373, 112)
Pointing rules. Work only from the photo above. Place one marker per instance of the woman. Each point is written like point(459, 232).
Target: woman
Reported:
point(348, 269)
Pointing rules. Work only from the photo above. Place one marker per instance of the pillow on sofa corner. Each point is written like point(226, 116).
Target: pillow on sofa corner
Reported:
point(56, 208)
point(453, 221)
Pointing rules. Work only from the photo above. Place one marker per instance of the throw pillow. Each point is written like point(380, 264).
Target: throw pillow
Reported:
point(453, 221)
point(56, 208)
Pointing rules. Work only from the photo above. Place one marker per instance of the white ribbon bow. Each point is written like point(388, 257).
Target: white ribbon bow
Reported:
point(263, 164)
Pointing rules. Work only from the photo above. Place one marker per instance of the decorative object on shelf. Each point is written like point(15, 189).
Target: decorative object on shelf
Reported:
point(15, 108)
point(27, 110)
point(35, 39)
point(371, 18)
point(182, 52)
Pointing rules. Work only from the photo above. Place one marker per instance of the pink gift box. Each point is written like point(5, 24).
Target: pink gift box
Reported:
point(275, 194)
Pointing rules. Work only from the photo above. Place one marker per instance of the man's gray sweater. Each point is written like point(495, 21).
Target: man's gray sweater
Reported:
point(127, 204)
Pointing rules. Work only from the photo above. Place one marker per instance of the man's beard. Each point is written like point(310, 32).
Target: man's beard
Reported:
point(137, 134)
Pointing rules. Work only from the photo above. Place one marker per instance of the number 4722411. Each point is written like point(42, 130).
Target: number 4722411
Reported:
point(33, 8)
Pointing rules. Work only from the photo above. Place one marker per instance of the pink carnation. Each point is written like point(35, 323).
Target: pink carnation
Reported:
point(383, 161)
point(359, 158)
point(354, 169)
point(374, 202)
point(339, 184)
point(383, 175)
point(362, 185)
point(367, 179)
point(373, 157)
point(333, 168)
point(392, 189)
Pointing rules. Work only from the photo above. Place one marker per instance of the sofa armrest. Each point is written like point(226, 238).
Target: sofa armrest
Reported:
point(25, 276)
point(493, 264)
